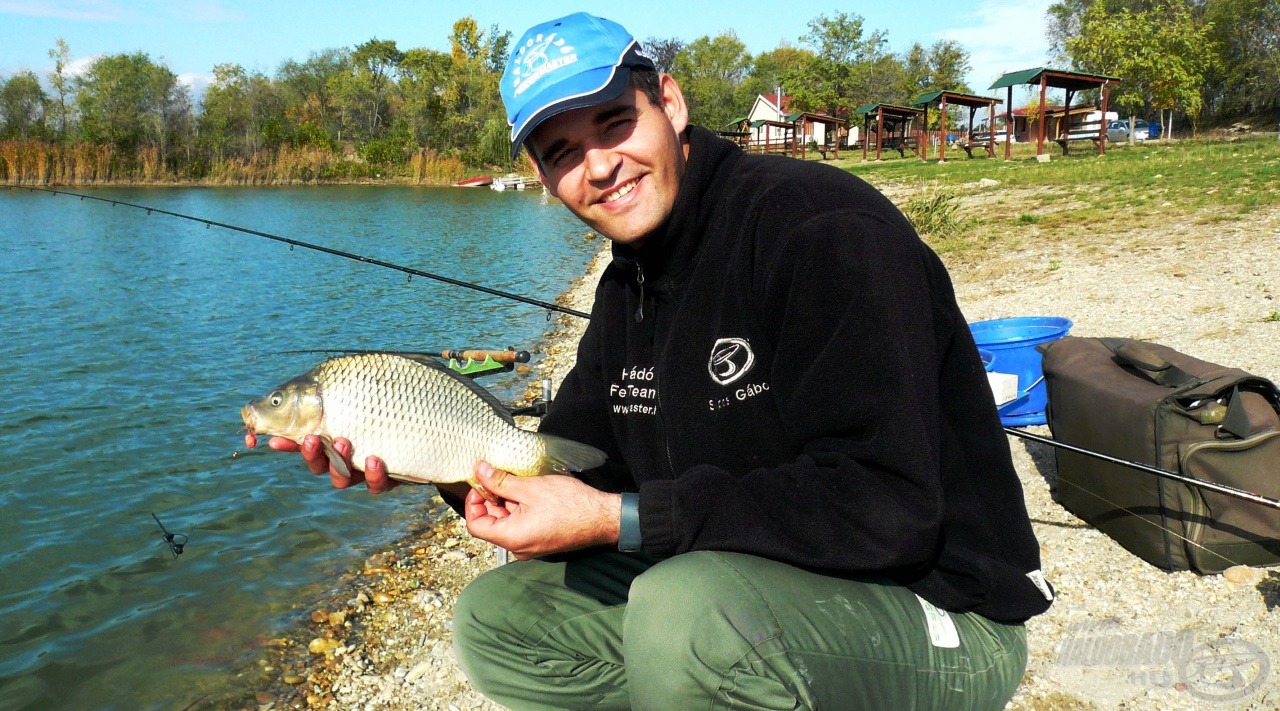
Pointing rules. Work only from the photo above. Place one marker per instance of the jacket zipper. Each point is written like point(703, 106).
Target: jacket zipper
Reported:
point(640, 281)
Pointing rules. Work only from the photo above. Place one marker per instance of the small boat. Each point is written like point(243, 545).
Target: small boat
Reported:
point(477, 182)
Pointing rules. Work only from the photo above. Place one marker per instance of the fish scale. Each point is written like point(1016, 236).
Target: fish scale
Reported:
point(425, 421)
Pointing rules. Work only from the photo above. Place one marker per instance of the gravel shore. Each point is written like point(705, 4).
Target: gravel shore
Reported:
point(1121, 635)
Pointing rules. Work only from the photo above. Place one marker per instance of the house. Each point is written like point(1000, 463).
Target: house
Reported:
point(772, 123)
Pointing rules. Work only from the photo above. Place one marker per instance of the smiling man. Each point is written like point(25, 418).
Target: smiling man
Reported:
point(809, 501)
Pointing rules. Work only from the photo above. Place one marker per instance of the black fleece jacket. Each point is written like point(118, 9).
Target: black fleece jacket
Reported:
point(782, 370)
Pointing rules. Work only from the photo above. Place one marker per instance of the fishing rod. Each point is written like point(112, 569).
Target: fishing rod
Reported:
point(1209, 485)
point(1219, 488)
point(319, 248)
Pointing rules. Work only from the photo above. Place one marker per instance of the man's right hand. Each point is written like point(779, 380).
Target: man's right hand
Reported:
point(375, 471)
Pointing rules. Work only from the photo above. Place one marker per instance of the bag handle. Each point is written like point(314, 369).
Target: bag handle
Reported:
point(1162, 371)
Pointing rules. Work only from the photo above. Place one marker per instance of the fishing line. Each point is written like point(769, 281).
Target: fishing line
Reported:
point(320, 248)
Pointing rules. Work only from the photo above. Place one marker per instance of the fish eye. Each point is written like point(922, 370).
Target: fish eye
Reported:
point(276, 398)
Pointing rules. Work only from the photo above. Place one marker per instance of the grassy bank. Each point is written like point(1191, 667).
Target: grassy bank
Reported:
point(1139, 187)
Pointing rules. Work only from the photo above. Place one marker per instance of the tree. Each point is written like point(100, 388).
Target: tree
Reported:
point(663, 52)
point(308, 91)
point(375, 62)
point(61, 83)
point(1246, 79)
point(710, 70)
point(22, 107)
point(848, 68)
point(768, 69)
point(129, 102)
point(1160, 54)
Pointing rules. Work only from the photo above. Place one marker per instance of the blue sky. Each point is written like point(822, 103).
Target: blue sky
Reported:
point(191, 36)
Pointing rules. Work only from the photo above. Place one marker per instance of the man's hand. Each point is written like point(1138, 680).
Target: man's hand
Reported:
point(540, 515)
point(375, 471)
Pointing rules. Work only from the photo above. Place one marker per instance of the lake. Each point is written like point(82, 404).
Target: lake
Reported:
point(131, 340)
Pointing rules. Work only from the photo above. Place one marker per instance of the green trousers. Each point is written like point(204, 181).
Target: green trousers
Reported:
point(712, 630)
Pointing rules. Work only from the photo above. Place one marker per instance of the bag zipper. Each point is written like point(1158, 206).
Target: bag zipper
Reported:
point(1201, 510)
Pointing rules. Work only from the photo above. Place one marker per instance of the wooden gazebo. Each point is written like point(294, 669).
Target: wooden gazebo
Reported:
point(1058, 79)
point(896, 120)
point(803, 120)
point(955, 98)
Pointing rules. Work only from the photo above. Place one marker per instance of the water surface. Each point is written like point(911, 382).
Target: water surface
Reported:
point(130, 343)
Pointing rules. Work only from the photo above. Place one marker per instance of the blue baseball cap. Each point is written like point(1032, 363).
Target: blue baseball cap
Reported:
point(578, 60)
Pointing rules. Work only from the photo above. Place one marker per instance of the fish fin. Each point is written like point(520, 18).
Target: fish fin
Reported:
point(565, 455)
point(481, 391)
point(335, 460)
point(475, 484)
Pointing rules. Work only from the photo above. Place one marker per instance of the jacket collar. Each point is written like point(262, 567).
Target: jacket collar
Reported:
point(669, 251)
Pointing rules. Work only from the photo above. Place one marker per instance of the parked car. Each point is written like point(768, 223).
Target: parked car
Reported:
point(1118, 131)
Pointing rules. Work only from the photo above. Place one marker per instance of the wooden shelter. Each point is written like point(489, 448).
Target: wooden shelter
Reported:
point(1058, 79)
point(830, 134)
point(895, 120)
point(973, 103)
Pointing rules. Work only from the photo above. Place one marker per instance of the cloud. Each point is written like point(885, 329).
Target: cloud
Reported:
point(1007, 38)
point(80, 10)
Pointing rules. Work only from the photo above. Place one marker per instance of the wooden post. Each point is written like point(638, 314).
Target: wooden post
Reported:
point(1064, 128)
point(942, 130)
point(924, 135)
point(1102, 129)
point(866, 123)
point(1040, 117)
point(879, 129)
point(991, 129)
point(1008, 124)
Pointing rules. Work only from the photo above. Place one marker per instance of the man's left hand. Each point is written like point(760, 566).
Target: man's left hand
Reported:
point(541, 515)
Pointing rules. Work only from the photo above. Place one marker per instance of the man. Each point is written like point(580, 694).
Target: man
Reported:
point(809, 501)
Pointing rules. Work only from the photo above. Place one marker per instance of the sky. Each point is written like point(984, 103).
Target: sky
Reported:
point(190, 37)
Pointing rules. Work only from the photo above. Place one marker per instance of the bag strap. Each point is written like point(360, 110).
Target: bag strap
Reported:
point(1162, 371)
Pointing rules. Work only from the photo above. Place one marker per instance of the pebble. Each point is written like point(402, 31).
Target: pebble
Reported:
point(1242, 575)
point(323, 645)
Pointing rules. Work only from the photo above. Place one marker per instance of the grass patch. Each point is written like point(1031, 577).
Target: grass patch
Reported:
point(1200, 181)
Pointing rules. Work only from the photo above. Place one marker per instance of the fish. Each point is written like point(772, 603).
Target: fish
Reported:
point(428, 423)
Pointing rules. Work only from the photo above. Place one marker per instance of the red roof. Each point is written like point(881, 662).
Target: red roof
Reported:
point(773, 99)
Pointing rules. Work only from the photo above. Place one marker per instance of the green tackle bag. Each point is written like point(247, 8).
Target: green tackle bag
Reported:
point(1151, 404)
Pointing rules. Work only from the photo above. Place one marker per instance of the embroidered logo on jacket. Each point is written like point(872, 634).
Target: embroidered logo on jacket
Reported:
point(731, 358)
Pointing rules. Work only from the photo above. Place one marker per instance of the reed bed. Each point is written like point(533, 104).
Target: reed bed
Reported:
point(36, 162)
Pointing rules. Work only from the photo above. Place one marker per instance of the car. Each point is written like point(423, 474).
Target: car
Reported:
point(1118, 131)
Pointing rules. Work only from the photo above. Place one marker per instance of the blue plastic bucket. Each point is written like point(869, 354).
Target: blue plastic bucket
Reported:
point(1012, 342)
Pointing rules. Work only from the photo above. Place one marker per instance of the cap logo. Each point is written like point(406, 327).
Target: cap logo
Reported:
point(538, 57)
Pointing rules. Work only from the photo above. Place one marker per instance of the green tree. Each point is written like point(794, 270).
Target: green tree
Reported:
point(849, 68)
point(1160, 54)
point(375, 64)
point(130, 102)
point(227, 117)
point(710, 70)
point(768, 71)
point(61, 83)
point(22, 106)
point(1245, 81)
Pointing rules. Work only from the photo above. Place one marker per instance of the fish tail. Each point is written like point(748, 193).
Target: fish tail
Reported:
point(562, 456)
